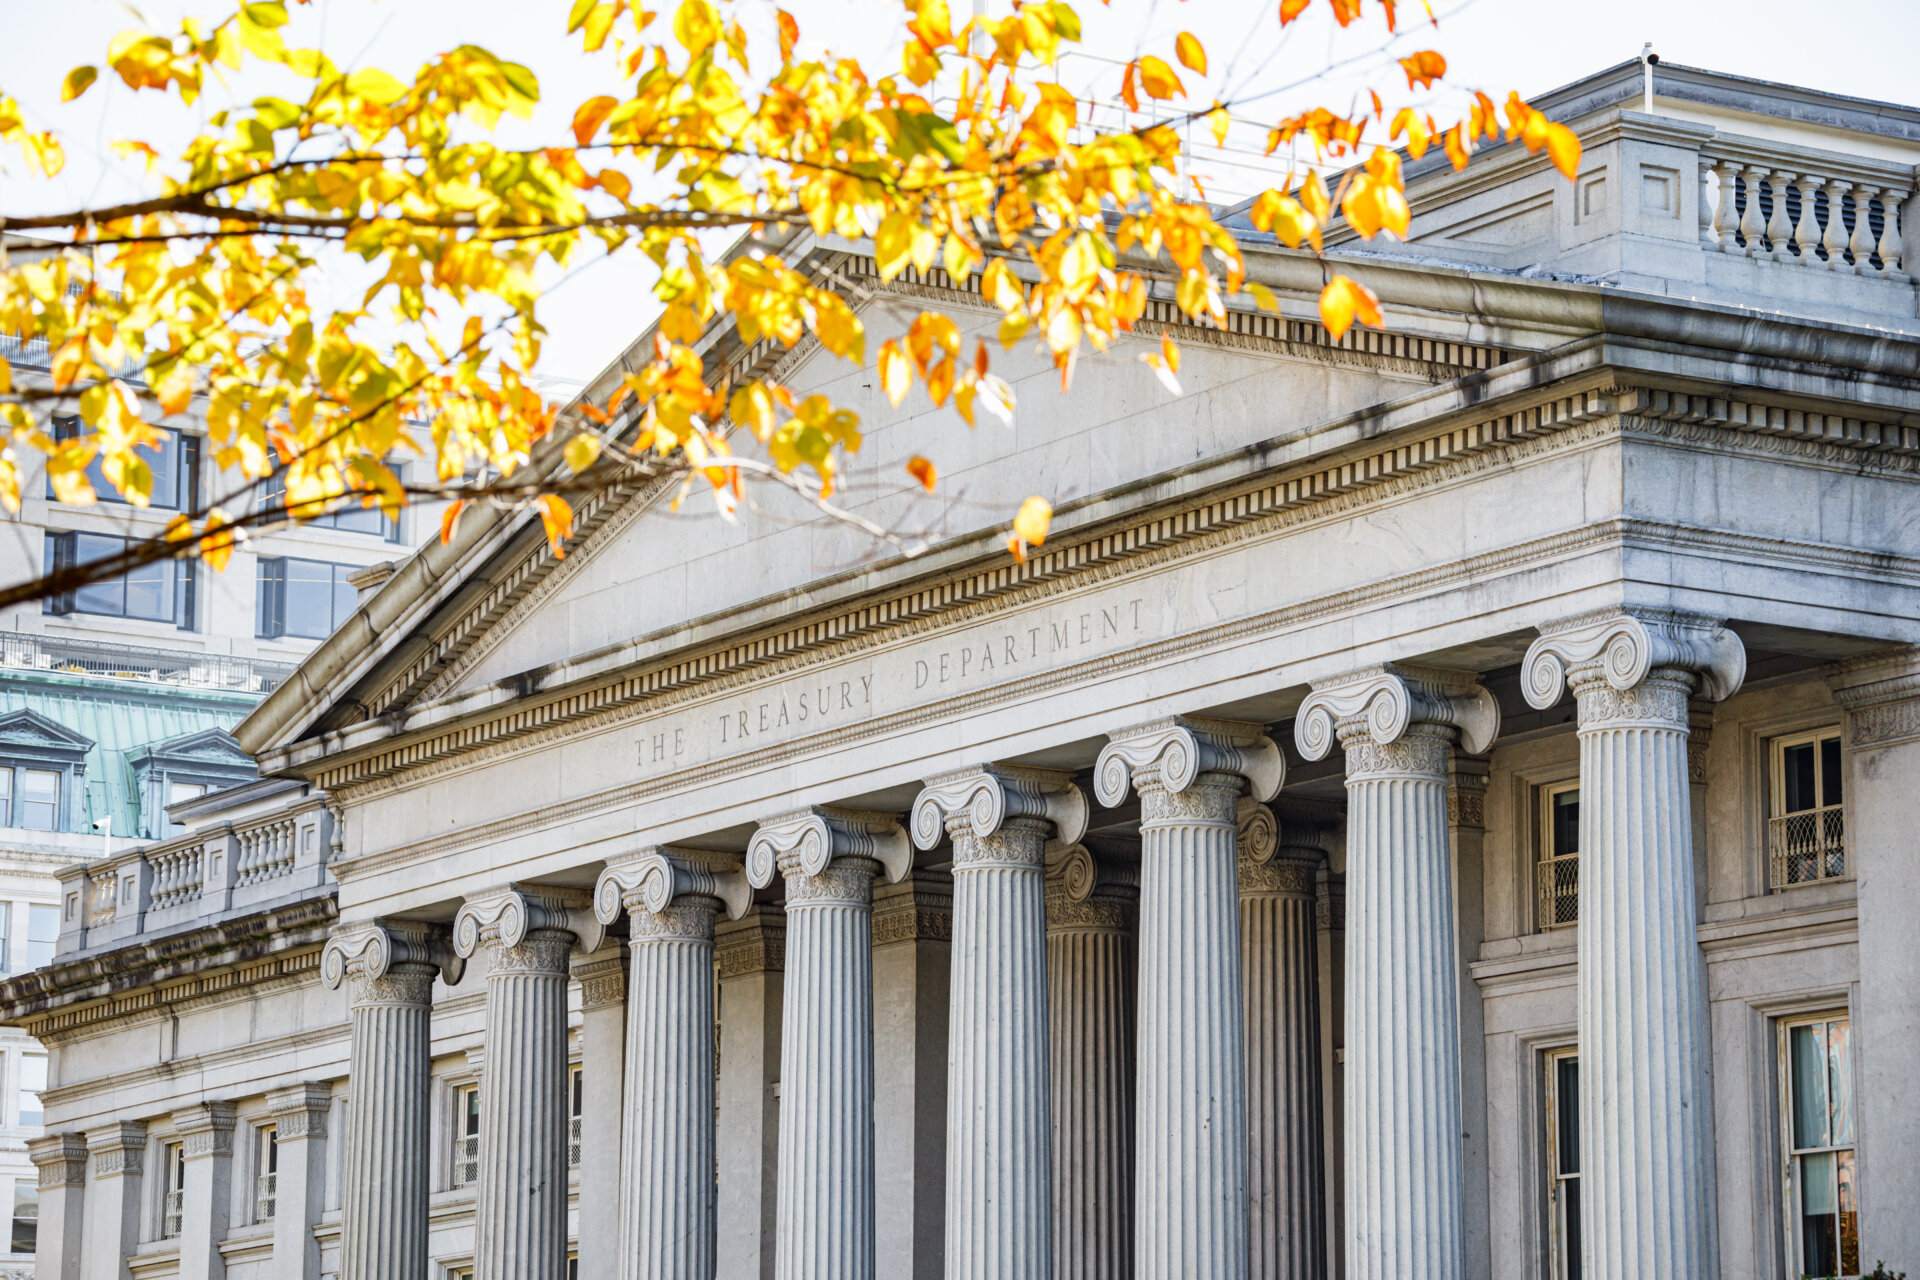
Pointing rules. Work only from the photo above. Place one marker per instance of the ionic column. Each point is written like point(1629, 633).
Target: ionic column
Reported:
point(61, 1159)
point(602, 976)
point(672, 897)
point(1279, 966)
point(520, 1201)
point(999, 1178)
point(299, 1189)
point(389, 967)
point(750, 954)
point(828, 858)
point(1405, 1211)
point(1091, 903)
point(1646, 1115)
point(1190, 1206)
point(206, 1147)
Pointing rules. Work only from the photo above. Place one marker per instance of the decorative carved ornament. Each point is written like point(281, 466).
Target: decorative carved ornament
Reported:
point(807, 841)
point(1369, 712)
point(1172, 754)
point(118, 1148)
point(205, 1129)
point(1880, 693)
point(61, 1159)
point(1614, 651)
point(300, 1111)
point(756, 943)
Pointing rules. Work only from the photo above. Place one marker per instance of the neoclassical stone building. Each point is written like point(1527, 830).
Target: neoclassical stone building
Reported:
point(1441, 804)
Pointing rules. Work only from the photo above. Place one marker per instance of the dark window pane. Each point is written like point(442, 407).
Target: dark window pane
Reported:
point(25, 1235)
point(1840, 1084)
point(1566, 823)
point(40, 799)
point(1797, 775)
point(309, 599)
point(1809, 1086)
point(109, 597)
point(269, 600)
point(1566, 1090)
point(1820, 1252)
point(1830, 771)
point(1571, 1190)
point(1849, 1224)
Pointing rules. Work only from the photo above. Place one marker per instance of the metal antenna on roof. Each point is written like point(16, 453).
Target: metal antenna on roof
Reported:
point(1648, 60)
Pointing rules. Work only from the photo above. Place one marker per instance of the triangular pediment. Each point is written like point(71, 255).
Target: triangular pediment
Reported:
point(209, 748)
point(25, 728)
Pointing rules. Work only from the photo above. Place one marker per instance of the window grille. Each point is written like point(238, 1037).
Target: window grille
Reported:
point(171, 1210)
point(1807, 829)
point(265, 1192)
point(466, 1160)
point(1557, 872)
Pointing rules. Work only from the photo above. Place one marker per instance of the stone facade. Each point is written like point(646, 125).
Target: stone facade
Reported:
point(1414, 818)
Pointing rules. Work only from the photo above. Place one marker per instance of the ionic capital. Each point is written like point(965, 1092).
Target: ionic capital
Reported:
point(506, 918)
point(1173, 753)
point(61, 1159)
point(807, 841)
point(205, 1129)
point(652, 880)
point(1379, 705)
point(1277, 856)
point(390, 959)
point(978, 802)
point(1088, 890)
point(1619, 648)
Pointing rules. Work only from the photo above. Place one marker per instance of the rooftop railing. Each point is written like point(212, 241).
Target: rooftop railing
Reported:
point(23, 651)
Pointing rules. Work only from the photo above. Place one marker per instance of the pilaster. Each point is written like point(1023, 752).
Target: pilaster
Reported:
point(912, 971)
point(300, 1115)
point(389, 968)
point(751, 956)
point(602, 976)
point(61, 1159)
point(1092, 902)
point(1467, 830)
point(1279, 965)
point(1646, 1113)
point(206, 1145)
point(1404, 1211)
point(1880, 695)
point(1330, 920)
point(1191, 1166)
point(999, 1178)
point(671, 896)
point(520, 1201)
point(117, 1153)
point(828, 859)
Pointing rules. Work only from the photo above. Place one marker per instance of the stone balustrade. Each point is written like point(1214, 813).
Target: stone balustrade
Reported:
point(1804, 208)
point(211, 871)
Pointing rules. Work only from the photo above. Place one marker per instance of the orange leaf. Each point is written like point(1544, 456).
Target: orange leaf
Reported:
point(556, 515)
point(1159, 80)
point(1192, 54)
point(789, 35)
point(1291, 9)
point(1423, 68)
point(923, 471)
point(1128, 94)
point(591, 115)
point(450, 519)
point(1345, 300)
point(1563, 147)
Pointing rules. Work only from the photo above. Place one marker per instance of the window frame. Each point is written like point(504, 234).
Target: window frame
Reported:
point(51, 944)
point(1831, 834)
point(266, 1165)
point(274, 490)
point(186, 468)
point(20, 1089)
point(61, 549)
point(270, 597)
point(173, 1182)
point(31, 1186)
point(1561, 1264)
point(463, 1134)
point(1546, 861)
point(1790, 1155)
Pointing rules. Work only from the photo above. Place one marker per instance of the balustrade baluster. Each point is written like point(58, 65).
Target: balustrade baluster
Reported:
point(1707, 234)
point(1779, 227)
point(1753, 225)
point(1726, 213)
point(1806, 233)
point(1863, 241)
point(1834, 238)
point(1890, 201)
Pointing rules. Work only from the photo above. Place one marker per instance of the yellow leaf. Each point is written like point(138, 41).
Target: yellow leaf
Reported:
point(696, 25)
point(217, 540)
point(1345, 300)
point(752, 407)
point(893, 244)
point(375, 85)
point(999, 284)
point(67, 361)
point(588, 119)
point(556, 516)
point(1192, 54)
point(582, 450)
point(923, 471)
point(1033, 520)
point(175, 388)
point(1263, 296)
point(1218, 122)
point(896, 372)
point(1563, 148)
point(78, 81)
point(596, 25)
point(1079, 266)
point(1159, 80)
point(6, 376)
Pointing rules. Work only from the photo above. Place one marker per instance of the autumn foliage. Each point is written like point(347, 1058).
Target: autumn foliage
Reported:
point(968, 156)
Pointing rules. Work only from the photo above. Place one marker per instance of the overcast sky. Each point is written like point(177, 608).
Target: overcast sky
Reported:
point(1865, 48)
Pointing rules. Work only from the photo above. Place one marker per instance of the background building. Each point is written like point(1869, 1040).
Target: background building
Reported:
point(1232, 889)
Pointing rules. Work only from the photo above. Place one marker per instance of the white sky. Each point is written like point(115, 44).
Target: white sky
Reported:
point(1864, 48)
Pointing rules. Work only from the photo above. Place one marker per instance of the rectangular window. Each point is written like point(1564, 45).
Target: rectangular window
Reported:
point(1563, 1162)
point(350, 516)
point(43, 932)
point(574, 1097)
point(466, 1142)
point(33, 1079)
point(266, 1182)
point(307, 598)
point(26, 1216)
point(6, 915)
point(39, 808)
point(1558, 869)
point(174, 462)
point(1822, 1212)
point(160, 592)
point(1806, 832)
point(173, 1200)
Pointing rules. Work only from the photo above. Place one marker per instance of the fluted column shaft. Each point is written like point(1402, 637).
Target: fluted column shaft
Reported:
point(384, 1187)
point(1191, 1209)
point(1646, 1140)
point(667, 1222)
point(826, 1190)
point(998, 1145)
point(520, 1203)
point(1090, 1012)
point(1404, 1183)
point(1279, 962)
